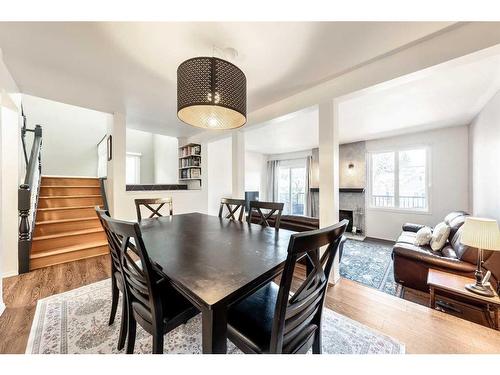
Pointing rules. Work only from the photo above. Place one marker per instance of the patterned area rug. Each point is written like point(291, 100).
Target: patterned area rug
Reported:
point(370, 263)
point(77, 322)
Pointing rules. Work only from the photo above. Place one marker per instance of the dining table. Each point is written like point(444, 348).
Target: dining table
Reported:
point(214, 262)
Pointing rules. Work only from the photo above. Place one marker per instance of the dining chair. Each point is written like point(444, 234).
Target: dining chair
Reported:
point(153, 302)
point(263, 217)
point(117, 285)
point(150, 205)
point(271, 320)
point(232, 206)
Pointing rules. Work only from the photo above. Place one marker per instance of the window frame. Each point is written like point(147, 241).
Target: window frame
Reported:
point(290, 164)
point(428, 180)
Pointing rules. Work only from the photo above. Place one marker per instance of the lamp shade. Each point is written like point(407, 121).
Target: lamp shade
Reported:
point(481, 233)
point(211, 93)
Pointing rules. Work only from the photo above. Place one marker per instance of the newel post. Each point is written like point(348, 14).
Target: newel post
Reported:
point(24, 196)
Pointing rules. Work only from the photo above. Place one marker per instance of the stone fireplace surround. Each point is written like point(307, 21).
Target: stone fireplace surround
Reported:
point(352, 182)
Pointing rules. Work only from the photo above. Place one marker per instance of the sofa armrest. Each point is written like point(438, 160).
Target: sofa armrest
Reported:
point(410, 227)
point(423, 255)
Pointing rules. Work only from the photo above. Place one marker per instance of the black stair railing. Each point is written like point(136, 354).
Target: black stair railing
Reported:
point(28, 195)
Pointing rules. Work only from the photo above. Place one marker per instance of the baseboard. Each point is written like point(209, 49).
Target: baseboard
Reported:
point(380, 240)
point(9, 274)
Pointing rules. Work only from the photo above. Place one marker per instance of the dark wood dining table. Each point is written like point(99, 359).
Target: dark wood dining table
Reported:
point(214, 262)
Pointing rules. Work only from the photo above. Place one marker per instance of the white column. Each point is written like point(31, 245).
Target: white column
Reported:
point(329, 171)
point(116, 166)
point(9, 183)
point(238, 155)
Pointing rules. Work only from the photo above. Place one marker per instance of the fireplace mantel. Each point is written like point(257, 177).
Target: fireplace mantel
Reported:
point(351, 190)
point(343, 190)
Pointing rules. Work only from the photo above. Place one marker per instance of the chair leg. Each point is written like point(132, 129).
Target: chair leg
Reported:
point(317, 346)
point(115, 293)
point(124, 323)
point(132, 326)
point(158, 343)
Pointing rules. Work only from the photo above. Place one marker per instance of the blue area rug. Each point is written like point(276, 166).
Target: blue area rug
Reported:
point(369, 263)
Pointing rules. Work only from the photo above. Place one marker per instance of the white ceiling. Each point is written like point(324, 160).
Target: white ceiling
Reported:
point(450, 96)
point(131, 67)
point(296, 132)
point(447, 95)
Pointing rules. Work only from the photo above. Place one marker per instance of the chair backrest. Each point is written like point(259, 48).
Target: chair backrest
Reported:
point(232, 205)
point(113, 250)
point(150, 205)
point(139, 282)
point(299, 315)
point(256, 207)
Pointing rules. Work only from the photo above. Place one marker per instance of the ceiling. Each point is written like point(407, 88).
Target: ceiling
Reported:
point(448, 95)
point(295, 132)
point(131, 67)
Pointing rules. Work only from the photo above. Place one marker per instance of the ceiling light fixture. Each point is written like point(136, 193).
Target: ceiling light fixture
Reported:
point(211, 93)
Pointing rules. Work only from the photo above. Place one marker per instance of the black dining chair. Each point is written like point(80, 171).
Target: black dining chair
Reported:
point(154, 205)
point(262, 218)
point(232, 206)
point(117, 285)
point(272, 321)
point(152, 300)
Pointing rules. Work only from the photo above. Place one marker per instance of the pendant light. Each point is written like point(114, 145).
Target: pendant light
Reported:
point(211, 93)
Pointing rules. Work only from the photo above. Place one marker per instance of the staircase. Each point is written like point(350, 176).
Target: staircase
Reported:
point(67, 227)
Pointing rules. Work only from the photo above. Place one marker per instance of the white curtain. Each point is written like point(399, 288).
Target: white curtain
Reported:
point(272, 180)
point(308, 196)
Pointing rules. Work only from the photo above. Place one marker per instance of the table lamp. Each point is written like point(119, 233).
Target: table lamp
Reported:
point(484, 235)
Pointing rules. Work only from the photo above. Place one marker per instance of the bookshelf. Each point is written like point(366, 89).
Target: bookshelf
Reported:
point(190, 165)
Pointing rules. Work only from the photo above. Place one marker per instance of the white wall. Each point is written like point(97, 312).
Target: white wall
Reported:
point(255, 172)
point(219, 173)
point(449, 188)
point(70, 136)
point(142, 143)
point(122, 202)
point(485, 161)
point(9, 175)
point(166, 161)
point(159, 156)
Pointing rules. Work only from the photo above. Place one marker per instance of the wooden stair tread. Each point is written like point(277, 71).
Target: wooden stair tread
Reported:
point(69, 233)
point(67, 249)
point(69, 186)
point(69, 196)
point(72, 177)
point(67, 220)
point(65, 208)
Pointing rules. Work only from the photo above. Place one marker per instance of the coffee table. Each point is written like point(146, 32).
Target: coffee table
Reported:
point(452, 284)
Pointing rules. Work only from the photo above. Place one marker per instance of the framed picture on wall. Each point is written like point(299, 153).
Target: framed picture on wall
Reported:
point(110, 148)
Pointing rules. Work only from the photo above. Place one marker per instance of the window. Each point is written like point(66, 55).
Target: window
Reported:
point(133, 168)
point(291, 186)
point(398, 179)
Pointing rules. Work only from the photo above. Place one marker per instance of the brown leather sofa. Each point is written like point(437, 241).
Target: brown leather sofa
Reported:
point(412, 263)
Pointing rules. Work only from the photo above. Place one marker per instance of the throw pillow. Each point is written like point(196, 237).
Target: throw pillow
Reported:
point(423, 236)
point(439, 236)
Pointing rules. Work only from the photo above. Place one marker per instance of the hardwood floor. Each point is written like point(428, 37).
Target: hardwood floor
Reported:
point(20, 294)
point(422, 330)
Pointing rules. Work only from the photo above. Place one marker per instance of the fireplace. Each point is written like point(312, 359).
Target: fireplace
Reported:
point(348, 215)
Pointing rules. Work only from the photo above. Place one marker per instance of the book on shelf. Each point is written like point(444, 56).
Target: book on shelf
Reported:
point(190, 162)
point(190, 173)
point(191, 150)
